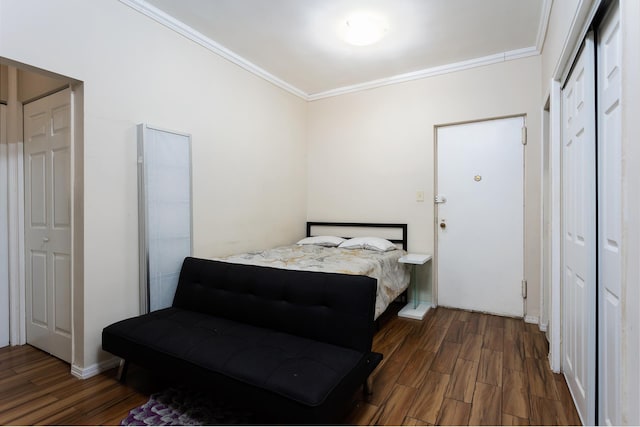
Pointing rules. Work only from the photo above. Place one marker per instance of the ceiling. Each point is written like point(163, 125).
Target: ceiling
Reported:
point(295, 43)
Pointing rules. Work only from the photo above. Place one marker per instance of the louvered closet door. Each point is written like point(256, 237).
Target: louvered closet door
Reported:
point(579, 232)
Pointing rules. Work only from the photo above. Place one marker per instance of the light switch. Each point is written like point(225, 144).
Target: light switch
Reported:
point(419, 196)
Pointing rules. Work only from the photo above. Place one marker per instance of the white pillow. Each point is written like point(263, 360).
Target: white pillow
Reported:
point(328, 241)
point(372, 243)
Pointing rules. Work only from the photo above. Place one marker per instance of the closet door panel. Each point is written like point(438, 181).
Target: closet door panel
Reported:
point(579, 231)
point(609, 217)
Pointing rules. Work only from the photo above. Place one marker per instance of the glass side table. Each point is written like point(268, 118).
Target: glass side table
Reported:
point(415, 309)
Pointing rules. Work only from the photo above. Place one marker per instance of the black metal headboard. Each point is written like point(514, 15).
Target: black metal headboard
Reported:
point(402, 227)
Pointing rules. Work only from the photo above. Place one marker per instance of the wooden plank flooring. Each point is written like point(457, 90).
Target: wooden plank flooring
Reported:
point(36, 388)
point(453, 368)
point(463, 368)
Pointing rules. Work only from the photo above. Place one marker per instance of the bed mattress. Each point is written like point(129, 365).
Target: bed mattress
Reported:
point(392, 276)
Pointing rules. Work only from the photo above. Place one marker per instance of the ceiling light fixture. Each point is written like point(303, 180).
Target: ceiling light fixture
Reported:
point(364, 28)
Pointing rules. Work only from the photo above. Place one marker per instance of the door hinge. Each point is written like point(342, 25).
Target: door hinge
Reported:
point(524, 289)
point(524, 135)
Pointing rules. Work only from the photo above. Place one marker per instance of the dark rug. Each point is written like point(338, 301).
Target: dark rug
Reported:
point(182, 406)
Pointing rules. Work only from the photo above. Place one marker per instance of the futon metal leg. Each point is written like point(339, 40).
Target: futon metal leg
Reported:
point(122, 371)
point(367, 387)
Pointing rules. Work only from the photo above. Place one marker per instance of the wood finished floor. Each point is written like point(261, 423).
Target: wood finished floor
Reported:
point(461, 368)
point(453, 368)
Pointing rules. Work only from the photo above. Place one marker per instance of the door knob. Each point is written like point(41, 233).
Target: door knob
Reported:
point(443, 225)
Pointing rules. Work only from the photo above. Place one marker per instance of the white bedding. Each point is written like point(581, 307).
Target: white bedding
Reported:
point(392, 276)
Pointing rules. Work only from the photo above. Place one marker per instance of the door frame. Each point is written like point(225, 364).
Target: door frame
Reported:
point(555, 234)
point(435, 192)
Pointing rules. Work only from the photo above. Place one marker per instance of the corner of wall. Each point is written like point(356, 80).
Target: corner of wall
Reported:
point(94, 369)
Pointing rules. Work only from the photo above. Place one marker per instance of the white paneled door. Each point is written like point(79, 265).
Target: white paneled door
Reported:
point(480, 207)
point(579, 232)
point(609, 218)
point(47, 133)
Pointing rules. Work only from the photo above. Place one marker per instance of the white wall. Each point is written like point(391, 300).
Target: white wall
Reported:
point(369, 152)
point(248, 141)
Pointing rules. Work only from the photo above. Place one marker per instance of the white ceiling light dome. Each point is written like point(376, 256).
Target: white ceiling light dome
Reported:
point(364, 28)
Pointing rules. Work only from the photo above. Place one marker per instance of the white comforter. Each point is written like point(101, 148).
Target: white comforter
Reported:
point(392, 276)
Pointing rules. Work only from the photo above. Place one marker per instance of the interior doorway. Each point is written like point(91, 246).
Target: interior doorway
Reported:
point(23, 85)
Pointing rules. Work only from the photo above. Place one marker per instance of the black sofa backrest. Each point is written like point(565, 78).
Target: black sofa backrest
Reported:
point(328, 307)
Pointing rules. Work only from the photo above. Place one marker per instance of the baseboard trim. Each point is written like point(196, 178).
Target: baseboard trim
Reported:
point(95, 369)
point(531, 319)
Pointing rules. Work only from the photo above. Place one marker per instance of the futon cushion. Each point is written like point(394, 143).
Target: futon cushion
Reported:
point(298, 368)
point(328, 307)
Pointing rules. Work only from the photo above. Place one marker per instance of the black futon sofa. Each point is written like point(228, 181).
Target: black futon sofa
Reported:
point(294, 346)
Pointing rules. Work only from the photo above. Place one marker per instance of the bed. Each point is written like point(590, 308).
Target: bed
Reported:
point(366, 254)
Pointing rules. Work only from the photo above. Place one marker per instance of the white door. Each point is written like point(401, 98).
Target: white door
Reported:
point(4, 232)
point(47, 125)
point(609, 218)
point(579, 232)
point(480, 216)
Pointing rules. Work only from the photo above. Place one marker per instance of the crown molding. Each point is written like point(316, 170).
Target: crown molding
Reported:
point(521, 53)
point(429, 72)
point(179, 27)
point(204, 41)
